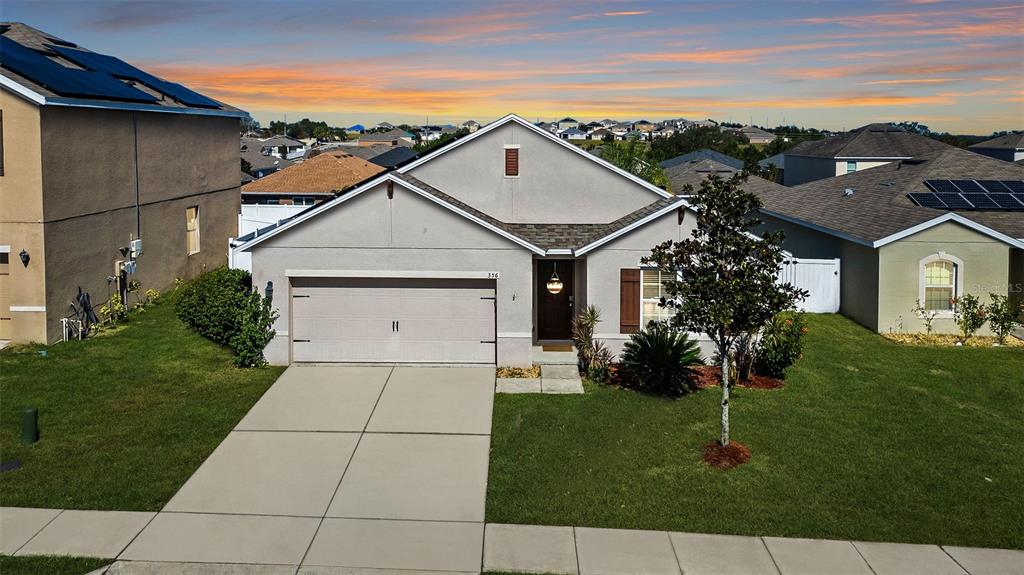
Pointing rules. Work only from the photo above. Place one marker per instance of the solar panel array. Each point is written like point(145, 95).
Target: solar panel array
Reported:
point(995, 195)
point(104, 77)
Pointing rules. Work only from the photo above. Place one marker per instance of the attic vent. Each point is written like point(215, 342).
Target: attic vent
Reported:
point(848, 192)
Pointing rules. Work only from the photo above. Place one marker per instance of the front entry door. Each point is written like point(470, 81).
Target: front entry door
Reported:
point(554, 311)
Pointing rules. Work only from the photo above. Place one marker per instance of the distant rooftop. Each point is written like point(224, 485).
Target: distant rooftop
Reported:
point(871, 141)
point(1004, 142)
point(704, 154)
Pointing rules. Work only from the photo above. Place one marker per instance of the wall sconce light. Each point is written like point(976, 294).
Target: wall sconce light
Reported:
point(24, 257)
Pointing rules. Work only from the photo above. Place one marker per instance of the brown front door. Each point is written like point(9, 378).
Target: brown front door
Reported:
point(554, 311)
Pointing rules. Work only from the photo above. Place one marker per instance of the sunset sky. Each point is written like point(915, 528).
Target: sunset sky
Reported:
point(956, 66)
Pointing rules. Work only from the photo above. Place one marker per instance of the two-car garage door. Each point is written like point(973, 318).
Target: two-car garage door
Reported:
point(392, 320)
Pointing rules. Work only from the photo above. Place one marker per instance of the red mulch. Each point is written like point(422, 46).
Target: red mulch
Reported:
point(727, 456)
point(711, 376)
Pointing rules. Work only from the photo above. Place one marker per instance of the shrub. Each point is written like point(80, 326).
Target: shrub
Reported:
point(211, 305)
point(256, 331)
point(781, 344)
point(114, 309)
point(927, 316)
point(661, 360)
point(152, 295)
point(969, 315)
point(583, 336)
point(1002, 316)
point(600, 369)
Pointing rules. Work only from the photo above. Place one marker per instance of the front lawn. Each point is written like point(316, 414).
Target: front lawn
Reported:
point(124, 418)
point(49, 565)
point(869, 440)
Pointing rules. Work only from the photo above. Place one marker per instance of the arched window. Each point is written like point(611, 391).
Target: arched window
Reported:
point(941, 281)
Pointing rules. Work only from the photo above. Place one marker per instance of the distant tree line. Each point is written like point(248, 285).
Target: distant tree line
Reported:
point(306, 128)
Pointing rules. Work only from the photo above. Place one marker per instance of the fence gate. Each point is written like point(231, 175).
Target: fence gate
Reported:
point(819, 277)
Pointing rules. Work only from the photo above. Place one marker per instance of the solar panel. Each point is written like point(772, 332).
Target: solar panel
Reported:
point(1016, 186)
point(122, 69)
point(954, 201)
point(942, 186)
point(1019, 197)
point(62, 80)
point(981, 201)
point(968, 186)
point(1006, 201)
point(994, 186)
point(927, 200)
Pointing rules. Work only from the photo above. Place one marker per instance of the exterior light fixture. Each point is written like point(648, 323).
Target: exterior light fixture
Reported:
point(24, 257)
point(554, 284)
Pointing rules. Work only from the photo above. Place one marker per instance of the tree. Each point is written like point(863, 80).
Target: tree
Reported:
point(636, 158)
point(726, 278)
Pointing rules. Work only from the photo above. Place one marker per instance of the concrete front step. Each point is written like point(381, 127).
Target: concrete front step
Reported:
point(559, 371)
point(553, 357)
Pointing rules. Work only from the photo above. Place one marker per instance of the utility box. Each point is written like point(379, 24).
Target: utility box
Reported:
point(135, 248)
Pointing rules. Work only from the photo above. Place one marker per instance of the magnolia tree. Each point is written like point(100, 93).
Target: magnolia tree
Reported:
point(726, 278)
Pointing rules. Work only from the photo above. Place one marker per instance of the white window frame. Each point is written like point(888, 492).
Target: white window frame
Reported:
point(519, 161)
point(851, 164)
point(644, 320)
point(958, 278)
point(199, 248)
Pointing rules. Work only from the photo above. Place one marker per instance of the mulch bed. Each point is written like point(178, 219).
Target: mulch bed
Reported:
point(726, 456)
point(711, 376)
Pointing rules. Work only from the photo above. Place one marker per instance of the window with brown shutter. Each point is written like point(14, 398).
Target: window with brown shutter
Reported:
point(511, 162)
point(629, 300)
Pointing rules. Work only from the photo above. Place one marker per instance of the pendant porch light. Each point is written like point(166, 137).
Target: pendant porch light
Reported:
point(554, 284)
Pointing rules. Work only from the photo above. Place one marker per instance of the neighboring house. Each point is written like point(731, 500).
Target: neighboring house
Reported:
point(703, 154)
point(246, 178)
point(566, 123)
point(283, 147)
point(621, 129)
point(310, 182)
point(573, 134)
point(449, 258)
point(664, 131)
point(601, 133)
point(643, 126)
point(548, 127)
point(896, 251)
point(90, 163)
point(860, 149)
point(608, 122)
point(365, 152)
point(692, 172)
point(779, 161)
point(1008, 147)
point(471, 125)
point(756, 135)
point(394, 137)
point(384, 126)
point(260, 164)
point(394, 157)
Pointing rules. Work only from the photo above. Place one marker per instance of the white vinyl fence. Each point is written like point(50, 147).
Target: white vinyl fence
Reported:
point(819, 277)
point(252, 218)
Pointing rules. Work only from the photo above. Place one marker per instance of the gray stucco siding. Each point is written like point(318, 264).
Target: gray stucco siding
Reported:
point(555, 185)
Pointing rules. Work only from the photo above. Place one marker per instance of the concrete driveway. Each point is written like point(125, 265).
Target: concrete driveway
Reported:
point(342, 466)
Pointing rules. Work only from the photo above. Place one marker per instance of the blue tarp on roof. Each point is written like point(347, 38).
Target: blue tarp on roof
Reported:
point(357, 128)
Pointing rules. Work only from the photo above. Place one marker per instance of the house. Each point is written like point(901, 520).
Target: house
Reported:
point(756, 135)
point(394, 157)
point(311, 181)
point(384, 126)
point(859, 149)
point(663, 132)
point(475, 253)
point(621, 129)
point(394, 137)
point(366, 152)
point(566, 123)
point(643, 126)
point(1008, 147)
point(704, 154)
point(608, 122)
point(471, 125)
point(573, 134)
point(283, 147)
point(933, 228)
point(260, 164)
point(549, 127)
point(103, 178)
point(602, 133)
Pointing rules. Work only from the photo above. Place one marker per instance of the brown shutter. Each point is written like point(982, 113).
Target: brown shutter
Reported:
point(629, 300)
point(511, 161)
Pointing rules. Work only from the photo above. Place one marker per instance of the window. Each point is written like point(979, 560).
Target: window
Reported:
point(511, 161)
point(652, 289)
point(851, 167)
point(939, 285)
point(192, 229)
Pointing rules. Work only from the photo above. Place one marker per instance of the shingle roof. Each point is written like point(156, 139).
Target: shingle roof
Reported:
point(694, 173)
point(871, 141)
point(394, 157)
point(1004, 142)
point(276, 141)
point(250, 152)
point(704, 154)
point(386, 136)
point(879, 206)
point(327, 173)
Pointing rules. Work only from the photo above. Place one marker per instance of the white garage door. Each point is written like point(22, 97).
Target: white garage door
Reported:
point(392, 320)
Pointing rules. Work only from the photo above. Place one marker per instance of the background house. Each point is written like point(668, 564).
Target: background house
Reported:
point(311, 181)
point(260, 164)
point(282, 147)
point(756, 135)
point(1008, 147)
point(703, 154)
point(393, 137)
point(90, 167)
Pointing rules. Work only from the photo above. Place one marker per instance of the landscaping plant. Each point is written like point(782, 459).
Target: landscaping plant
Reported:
point(725, 278)
point(781, 344)
point(600, 368)
point(927, 316)
point(114, 309)
point(583, 326)
point(1002, 316)
point(255, 332)
point(969, 315)
point(661, 359)
point(211, 304)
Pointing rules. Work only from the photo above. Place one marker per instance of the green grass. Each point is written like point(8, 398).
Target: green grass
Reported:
point(124, 418)
point(869, 440)
point(49, 565)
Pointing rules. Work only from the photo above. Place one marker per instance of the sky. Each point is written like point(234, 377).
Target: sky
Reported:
point(954, 66)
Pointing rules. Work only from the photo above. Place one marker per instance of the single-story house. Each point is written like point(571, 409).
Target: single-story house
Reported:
point(927, 229)
point(602, 133)
point(311, 181)
point(756, 135)
point(394, 137)
point(260, 164)
point(282, 147)
point(865, 147)
point(478, 252)
point(1008, 147)
point(573, 134)
point(566, 123)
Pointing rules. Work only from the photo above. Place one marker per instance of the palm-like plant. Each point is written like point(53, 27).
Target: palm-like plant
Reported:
point(662, 359)
point(583, 336)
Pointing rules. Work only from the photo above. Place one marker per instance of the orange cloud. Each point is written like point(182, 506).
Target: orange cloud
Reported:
point(628, 13)
point(913, 81)
point(734, 56)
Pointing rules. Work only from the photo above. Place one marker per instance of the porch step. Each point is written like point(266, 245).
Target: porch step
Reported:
point(559, 371)
point(553, 357)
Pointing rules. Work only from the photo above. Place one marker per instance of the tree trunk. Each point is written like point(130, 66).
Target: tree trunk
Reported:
point(725, 397)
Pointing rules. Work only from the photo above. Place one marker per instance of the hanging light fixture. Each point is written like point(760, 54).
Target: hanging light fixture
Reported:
point(554, 284)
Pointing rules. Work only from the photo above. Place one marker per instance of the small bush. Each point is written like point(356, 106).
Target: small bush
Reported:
point(114, 309)
point(781, 344)
point(661, 360)
point(212, 304)
point(583, 326)
point(256, 331)
point(600, 369)
point(969, 315)
point(1002, 316)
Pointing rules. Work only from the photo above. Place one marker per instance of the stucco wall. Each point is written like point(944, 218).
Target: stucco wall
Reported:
point(21, 215)
point(1017, 277)
point(802, 169)
point(985, 270)
point(801, 241)
point(406, 233)
point(859, 284)
point(552, 180)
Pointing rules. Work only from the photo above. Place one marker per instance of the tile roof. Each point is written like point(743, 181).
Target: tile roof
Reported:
point(1004, 142)
point(871, 141)
point(704, 154)
point(879, 206)
point(326, 173)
